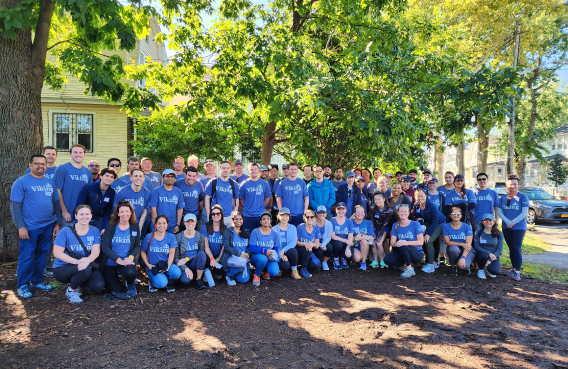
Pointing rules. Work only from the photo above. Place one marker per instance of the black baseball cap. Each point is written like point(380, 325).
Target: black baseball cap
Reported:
point(406, 179)
point(459, 177)
point(412, 171)
point(285, 166)
point(427, 171)
point(273, 166)
point(433, 180)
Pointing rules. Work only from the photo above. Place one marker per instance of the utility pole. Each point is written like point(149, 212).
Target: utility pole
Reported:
point(511, 151)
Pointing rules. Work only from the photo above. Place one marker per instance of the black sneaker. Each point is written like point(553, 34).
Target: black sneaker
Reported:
point(442, 260)
point(199, 285)
point(466, 271)
point(170, 287)
point(453, 270)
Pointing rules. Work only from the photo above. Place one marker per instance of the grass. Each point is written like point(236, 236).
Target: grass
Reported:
point(534, 246)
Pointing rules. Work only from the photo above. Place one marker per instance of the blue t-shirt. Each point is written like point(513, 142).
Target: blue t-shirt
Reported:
point(342, 230)
point(292, 194)
point(118, 184)
point(192, 195)
point(215, 240)
point(457, 235)
point(453, 198)
point(436, 199)
point(254, 194)
point(49, 172)
point(167, 202)
point(147, 184)
point(65, 238)
point(70, 180)
point(269, 242)
point(283, 237)
point(37, 196)
point(155, 179)
point(408, 233)
point(139, 200)
point(442, 190)
point(337, 184)
point(180, 176)
point(240, 244)
point(514, 209)
point(240, 179)
point(486, 202)
point(366, 227)
point(223, 194)
point(159, 250)
point(191, 249)
point(120, 244)
point(305, 236)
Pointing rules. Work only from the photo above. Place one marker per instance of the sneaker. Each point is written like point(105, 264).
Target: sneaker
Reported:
point(199, 285)
point(375, 264)
point(256, 280)
point(230, 281)
point(442, 260)
point(131, 289)
point(41, 286)
point(436, 265)
point(516, 276)
point(491, 275)
point(344, 264)
point(24, 292)
point(428, 268)
point(170, 287)
point(324, 265)
point(266, 276)
point(136, 281)
point(453, 271)
point(336, 264)
point(466, 271)
point(295, 274)
point(73, 296)
point(304, 272)
point(383, 265)
point(151, 287)
point(408, 273)
point(47, 273)
point(481, 274)
point(363, 266)
point(121, 295)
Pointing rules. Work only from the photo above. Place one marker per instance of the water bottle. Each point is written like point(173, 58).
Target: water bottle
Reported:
point(209, 278)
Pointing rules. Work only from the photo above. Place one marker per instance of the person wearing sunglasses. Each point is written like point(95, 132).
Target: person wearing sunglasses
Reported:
point(264, 246)
point(100, 197)
point(308, 241)
point(116, 165)
point(190, 254)
point(325, 251)
point(236, 243)
point(463, 198)
point(513, 210)
point(363, 236)
point(381, 216)
point(486, 199)
point(406, 240)
point(95, 168)
point(459, 238)
point(168, 200)
point(321, 191)
point(341, 238)
point(347, 194)
point(488, 245)
point(428, 214)
point(213, 231)
point(288, 238)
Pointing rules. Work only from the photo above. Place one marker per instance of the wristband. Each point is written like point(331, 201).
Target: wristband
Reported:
point(186, 258)
point(463, 257)
point(246, 254)
point(130, 256)
point(211, 259)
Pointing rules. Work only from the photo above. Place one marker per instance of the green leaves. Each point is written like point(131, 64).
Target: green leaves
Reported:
point(21, 15)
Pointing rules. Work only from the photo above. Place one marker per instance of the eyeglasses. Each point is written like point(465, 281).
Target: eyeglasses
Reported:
point(39, 164)
point(215, 214)
point(349, 193)
point(455, 213)
point(481, 179)
point(310, 216)
point(114, 165)
point(94, 165)
point(318, 171)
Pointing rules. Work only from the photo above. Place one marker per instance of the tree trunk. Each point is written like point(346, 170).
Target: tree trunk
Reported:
point(268, 142)
point(439, 159)
point(482, 145)
point(461, 158)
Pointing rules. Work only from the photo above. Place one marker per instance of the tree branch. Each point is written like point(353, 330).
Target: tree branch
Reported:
point(39, 46)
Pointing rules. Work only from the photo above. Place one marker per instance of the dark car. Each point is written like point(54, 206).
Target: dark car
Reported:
point(544, 206)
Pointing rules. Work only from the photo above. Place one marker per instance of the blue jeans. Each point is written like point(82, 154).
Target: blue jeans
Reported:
point(31, 258)
point(195, 264)
point(260, 261)
point(482, 257)
point(514, 239)
point(238, 274)
point(455, 253)
point(162, 279)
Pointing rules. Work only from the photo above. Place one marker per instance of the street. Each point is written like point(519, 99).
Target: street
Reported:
point(556, 235)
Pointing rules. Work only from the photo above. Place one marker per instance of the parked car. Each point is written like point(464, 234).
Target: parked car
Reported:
point(500, 188)
point(544, 206)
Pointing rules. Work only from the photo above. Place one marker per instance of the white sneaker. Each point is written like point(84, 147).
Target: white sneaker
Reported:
point(324, 265)
point(73, 296)
point(481, 274)
point(491, 275)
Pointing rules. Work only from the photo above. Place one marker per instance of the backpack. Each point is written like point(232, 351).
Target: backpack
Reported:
point(214, 188)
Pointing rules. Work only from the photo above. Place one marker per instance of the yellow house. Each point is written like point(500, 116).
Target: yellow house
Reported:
point(70, 117)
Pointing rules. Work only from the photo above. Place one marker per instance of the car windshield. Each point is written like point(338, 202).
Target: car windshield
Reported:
point(539, 195)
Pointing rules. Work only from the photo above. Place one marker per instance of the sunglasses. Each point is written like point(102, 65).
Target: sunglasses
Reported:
point(349, 193)
point(94, 165)
point(318, 171)
point(404, 205)
point(455, 213)
point(508, 202)
point(114, 165)
point(482, 179)
point(310, 216)
point(215, 214)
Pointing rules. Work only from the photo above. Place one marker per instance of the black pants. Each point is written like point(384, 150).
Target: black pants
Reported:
point(403, 255)
point(292, 256)
point(338, 250)
point(91, 279)
point(110, 274)
point(304, 256)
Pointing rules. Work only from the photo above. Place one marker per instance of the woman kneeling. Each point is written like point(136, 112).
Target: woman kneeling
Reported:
point(406, 239)
point(190, 253)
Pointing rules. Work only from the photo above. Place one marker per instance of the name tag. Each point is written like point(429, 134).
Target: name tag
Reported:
point(296, 192)
point(134, 233)
point(106, 199)
point(48, 193)
point(482, 240)
point(377, 216)
point(258, 193)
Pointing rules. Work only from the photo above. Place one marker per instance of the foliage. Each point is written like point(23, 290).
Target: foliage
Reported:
point(557, 172)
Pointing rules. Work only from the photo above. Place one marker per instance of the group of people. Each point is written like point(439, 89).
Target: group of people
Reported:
point(187, 226)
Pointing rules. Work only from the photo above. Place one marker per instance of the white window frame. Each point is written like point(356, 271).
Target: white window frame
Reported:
point(141, 61)
point(51, 127)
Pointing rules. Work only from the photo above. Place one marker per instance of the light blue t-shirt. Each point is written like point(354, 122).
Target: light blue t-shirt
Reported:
point(283, 237)
point(408, 233)
point(270, 241)
point(159, 250)
point(223, 196)
point(305, 236)
point(49, 172)
point(70, 181)
point(180, 176)
point(254, 194)
point(342, 230)
point(155, 179)
point(120, 244)
point(146, 184)
point(457, 235)
point(167, 202)
point(37, 196)
point(240, 244)
point(292, 194)
point(191, 249)
point(139, 200)
point(514, 209)
point(337, 184)
point(215, 240)
point(65, 238)
point(118, 184)
point(366, 227)
point(192, 195)
point(486, 202)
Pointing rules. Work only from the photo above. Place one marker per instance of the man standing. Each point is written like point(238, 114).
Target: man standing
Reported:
point(292, 193)
point(50, 154)
point(389, 179)
point(264, 172)
point(273, 181)
point(338, 179)
point(321, 191)
point(398, 176)
point(327, 172)
point(210, 169)
point(407, 189)
point(100, 197)
point(137, 195)
point(94, 167)
point(34, 204)
point(132, 164)
point(254, 197)
point(486, 199)
point(193, 194)
point(154, 177)
point(285, 168)
point(346, 194)
point(413, 174)
point(168, 200)
point(223, 191)
point(239, 176)
point(307, 173)
point(116, 165)
point(179, 164)
point(69, 179)
point(193, 161)
point(426, 177)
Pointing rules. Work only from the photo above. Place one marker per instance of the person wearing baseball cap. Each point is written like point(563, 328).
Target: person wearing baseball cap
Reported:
point(389, 179)
point(168, 200)
point(321, 191)
point(347, 194)
point(426, 177)
point(210, 169)
point(239, 176)
point(360, 194)
point(285, 169)
point(190, 254)
point(325, 251)
point(398, 176)
point(342, 236)
point(407, 189)
point(434, 196)
point(288, 237)
point(463, 198)
point(264, 172)
point(488, 245)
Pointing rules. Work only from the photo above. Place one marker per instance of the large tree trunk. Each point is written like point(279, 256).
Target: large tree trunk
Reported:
point(461, 158)
point(439, 159)
point(482, 144)
point(268, 142)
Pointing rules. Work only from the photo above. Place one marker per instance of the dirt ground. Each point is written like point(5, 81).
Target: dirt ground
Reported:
point(337, 319)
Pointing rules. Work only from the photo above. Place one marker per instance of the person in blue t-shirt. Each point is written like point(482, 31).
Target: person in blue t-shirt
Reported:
point(75, 259)
point(222, 191)
point(254, 197)
point(407, 239)
point(308, 241)
point(264, 247)
point(287, 232)
point(190, 254)
point(449, 185)
point(461, 197)
point(435, 197)
point(292, 193)
point(137, 195)
point(236, 243)
point(116, 165)
point(341, 238)
point(50, 154)
point(158, 252)
point(428, 214)
point(363, 235)
point(35, 211)
point(513, 210)
point(459, 238)
point(168, 200)
point(154, 177)
point(337, 180)
point(133, 163)
point(239, 176)
point(486, 199)
point(213, 232)
point(193, 194)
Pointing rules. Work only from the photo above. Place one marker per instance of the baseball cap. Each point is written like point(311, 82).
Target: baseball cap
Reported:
point(459, 177)
point(388, 175)
point(273, 166)
point(340, 205)
point(284, 211)
point(285, 166)
point(399, 172)
point(406, 179)
point(488, 216)
point(263, 168)
point(433, 180)
point(412, 171)
point(189, 216)
point(321, 209)
point(355, 169)
point(208, 161)
point(350, 174)
point(265, 213)
point(168, 171)
point(238, 161)
point(360, 179)
point(427, 171)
